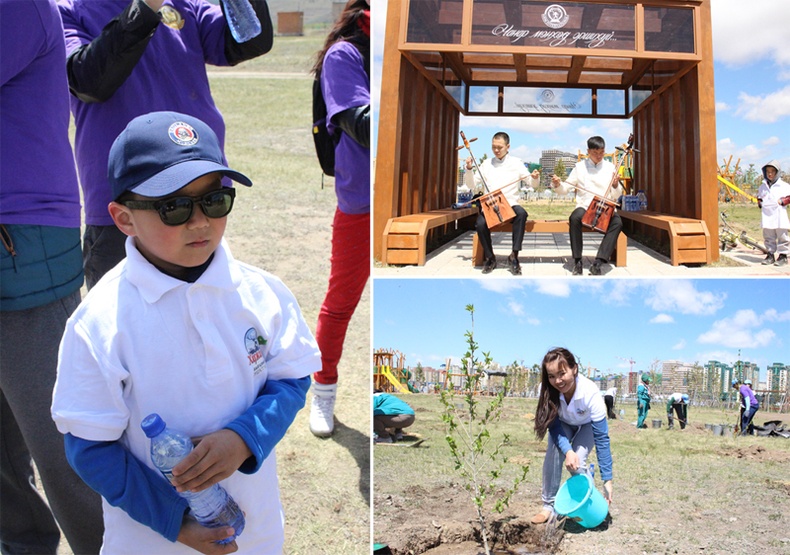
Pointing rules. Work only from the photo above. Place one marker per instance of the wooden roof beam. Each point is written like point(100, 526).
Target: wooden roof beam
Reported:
point(577, 65)
point(520, 63)
point(455, 61)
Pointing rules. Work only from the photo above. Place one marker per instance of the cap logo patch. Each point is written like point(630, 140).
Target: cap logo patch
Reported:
point(182, 134)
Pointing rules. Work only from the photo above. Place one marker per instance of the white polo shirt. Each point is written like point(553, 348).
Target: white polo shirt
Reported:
point(586, 405)
point(505, 174)
point(197, 354)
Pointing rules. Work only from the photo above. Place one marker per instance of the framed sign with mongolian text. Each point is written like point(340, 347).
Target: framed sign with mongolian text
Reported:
point(556, 25)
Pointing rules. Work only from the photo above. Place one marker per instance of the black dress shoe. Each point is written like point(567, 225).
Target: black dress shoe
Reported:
point(489, 265)
point(595, 269)
point(513, 265)
point(577, 268)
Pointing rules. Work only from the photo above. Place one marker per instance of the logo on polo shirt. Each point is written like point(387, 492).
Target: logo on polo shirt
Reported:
point(182, 134)
point(254, 342)
point(581, 411)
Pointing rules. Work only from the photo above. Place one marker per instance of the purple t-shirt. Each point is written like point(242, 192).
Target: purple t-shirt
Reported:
point(171, 75)
point(38, 183)
point(345, 85)
point(746, 392)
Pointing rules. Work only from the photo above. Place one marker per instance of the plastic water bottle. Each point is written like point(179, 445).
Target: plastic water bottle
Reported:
point(212, 507)
point(242, 20)
point(642, 200)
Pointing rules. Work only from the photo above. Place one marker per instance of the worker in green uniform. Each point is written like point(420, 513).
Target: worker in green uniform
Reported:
point(679, 402)
point(643, 401)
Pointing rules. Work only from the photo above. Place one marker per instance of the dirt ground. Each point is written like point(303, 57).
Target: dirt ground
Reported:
point(693, 502)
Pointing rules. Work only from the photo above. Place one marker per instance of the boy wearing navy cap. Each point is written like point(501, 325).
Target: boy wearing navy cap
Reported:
point(217, 347)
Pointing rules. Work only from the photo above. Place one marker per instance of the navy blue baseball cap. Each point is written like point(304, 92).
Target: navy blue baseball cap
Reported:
point(161, 152)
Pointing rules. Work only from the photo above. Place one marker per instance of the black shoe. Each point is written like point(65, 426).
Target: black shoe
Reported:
point(595, 269)
point(489, 265)
point(513, 265)
point(577, 268)
point(768, 260)
point(781, 261)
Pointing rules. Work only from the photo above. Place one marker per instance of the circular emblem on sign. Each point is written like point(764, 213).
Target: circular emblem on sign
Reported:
point(182, 134)
point(547, 95)
point(555, 16)
point(171, 17)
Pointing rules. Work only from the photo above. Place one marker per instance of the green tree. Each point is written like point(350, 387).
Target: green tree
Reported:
point(419, 373)
point(559, 169)
point(477, 456)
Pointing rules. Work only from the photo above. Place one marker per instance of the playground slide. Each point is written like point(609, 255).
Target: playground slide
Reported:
point(394, 381)
point(736, 188)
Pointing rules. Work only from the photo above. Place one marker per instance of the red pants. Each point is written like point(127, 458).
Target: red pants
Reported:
point(350, 261)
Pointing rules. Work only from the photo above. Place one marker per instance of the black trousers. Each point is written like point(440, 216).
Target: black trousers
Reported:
point(609, 400)
point(681, 409)
point(608, 243)
point(484, 234)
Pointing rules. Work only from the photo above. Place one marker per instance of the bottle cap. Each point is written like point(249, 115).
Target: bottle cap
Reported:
point(152, 425)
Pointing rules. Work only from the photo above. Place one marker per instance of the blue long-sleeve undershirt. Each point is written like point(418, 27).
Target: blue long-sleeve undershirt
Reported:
point(600, 436)
point(127, 483)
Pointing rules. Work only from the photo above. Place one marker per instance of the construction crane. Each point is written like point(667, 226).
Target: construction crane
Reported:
point(630, 361)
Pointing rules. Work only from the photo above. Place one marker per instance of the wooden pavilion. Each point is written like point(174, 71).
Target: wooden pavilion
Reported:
point(649, 60)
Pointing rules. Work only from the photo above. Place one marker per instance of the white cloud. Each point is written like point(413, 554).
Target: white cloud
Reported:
point(537, 126)
point(745, 328)
point(680, 345)
point(516, 309)
point(770, 150)
point(683, 297)
point(767, 108)
point(554, 288)
point(662, 319)
point(722, 106)
point(746, 33)
point(501, 285)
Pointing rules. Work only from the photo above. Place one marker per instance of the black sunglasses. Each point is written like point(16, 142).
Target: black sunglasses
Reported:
point(177, 210)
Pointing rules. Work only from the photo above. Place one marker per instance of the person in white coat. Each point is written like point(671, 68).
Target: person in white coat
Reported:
point(772, 197)
point(505, 172)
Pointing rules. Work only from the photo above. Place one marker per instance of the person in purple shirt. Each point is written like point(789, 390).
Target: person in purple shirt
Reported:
point(346, 88)
point(131, 57)
point(749, 405)
point(41, 276)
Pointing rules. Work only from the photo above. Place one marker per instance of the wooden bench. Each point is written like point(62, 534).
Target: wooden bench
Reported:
point(548, 226)
point(406, 237)
point(689, 240)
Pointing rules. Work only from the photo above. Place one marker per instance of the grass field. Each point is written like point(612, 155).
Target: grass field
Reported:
point(674, 491)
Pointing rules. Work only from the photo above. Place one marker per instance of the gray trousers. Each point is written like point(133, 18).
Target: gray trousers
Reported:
point(398, 421)
point(777, 241)
point(582, 443)
point(29, 341)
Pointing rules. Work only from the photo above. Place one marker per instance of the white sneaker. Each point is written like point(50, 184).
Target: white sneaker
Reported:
point(322, 409)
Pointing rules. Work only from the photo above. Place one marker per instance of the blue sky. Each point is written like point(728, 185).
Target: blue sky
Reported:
point(601, 321)
point(751, 43)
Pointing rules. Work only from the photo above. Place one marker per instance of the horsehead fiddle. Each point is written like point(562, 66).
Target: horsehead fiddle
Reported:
point(494, 205)
point(599, 213)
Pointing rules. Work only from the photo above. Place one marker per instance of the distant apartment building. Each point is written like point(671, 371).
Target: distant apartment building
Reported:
point(549, 159)
point(778, 377)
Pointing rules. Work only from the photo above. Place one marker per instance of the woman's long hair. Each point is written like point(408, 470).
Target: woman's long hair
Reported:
point(346, 27)
point(549, 398)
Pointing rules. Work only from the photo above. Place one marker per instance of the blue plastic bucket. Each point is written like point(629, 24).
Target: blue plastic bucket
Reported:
point(579, 500)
